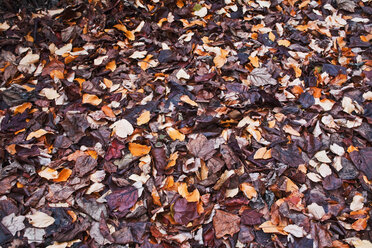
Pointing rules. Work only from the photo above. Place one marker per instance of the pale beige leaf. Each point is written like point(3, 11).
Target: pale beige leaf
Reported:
point(40, 219)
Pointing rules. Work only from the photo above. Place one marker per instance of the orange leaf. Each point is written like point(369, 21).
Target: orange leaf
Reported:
point(262, 153)
point(107, 82)
point(91, 99)
point(254, 61)
point(111, 66)
point(108, 111)
point(37, 134)
point(172, 160)
point(297, 89)
point(248, 190)
point(190, 197)
point(271, 36)
point(285, 43)
point(186, 99)
point(175, 134)
point(144, 118)
point(352, 148)
point(92, 153)
point(11, 149)
point(21, 108)
point(56, 73)
point(63, 175)
point(360, 224)
point(155, 196)
point(339, 244)
point(128, 34)
point(138, 149)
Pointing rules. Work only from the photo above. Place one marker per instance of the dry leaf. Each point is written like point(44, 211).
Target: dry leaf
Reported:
point(40, 219)
point(127, 33)
point(138, 149)
point(63, 175)
point(144, 118)
point(37, 134)
point(111, 65)
point(49, 93)
point(269, 227)
point(108, 111)
point(285, 43)
point(322, 157)
point(295, 230)
point(22, 108)
point(91, 99)
point(186, 99)
point(261, 77)
point(175, 134)
point(122, 128)
point(316, 210)
point(357, 203)
point(48, 173)
point(262, 153)
point(225, 223)
point(221, 59)
point(65, 49)
point(4, 26)
point(290, 130)
point(190, 197)
point(249, 191)
point(181, 74)
point(360, 224)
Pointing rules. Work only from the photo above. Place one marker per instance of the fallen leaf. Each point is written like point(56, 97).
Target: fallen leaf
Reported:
point(49, 93)
point(48, 173)
point(262, 153)
point(186, 99)
point(269, 227)
point(13, 223)
point(108, 111)
point(127, 33)
point(37, 134)
point(91, 99)
point(190, 197)
point(357, 203)
point(175, 134)
point(63, 175)
point(225, 223)
point(111, 66)
point(122, 128)
point(316, 210)
point(40, 219)
point(261, 77)
point(295, 230)
point(138, 149)
point(4, 26)
point(249, 191)
point(360, 224)
point(181, 74)
point(144, 118)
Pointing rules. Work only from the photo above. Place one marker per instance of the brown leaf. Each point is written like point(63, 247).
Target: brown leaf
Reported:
point(201, 147)
point(225, 223)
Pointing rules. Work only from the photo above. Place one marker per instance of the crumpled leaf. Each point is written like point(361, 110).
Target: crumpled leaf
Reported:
point(347, 5)
point(138, 149)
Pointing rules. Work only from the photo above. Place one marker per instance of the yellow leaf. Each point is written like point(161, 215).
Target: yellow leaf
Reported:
point(190, 197)
point(63, 175)
point(21, 108)
point(91, 99)
point(175, 134)
point(254, 61)
point(221, 59)
point(248, 190)
point(111, 66)
point(262, 153)
point(285, 43)
point(37, 134)
point(271, 36)
point(186, 99)
point(144, 118)
point(138, 149)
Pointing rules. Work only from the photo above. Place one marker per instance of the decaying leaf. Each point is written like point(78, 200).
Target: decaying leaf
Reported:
point(225, 223)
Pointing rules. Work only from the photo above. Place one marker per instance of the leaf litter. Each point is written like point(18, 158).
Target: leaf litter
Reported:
point(186, 124)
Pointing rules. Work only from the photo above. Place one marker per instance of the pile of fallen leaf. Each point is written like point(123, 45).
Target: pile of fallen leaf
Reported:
point(228, 123)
